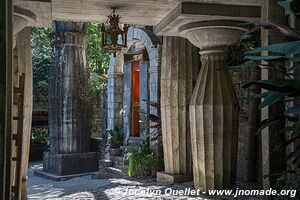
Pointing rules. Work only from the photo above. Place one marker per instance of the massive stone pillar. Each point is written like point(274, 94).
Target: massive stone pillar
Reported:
point(176, 90)
point(213, 106)
point(115, 92)
point(69, 104)
point(144, 97)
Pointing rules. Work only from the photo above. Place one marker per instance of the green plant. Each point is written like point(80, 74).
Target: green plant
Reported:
point(41, 62)
point(116, 138)
point(288, 182)
point(98, 58)
point(39, 136)
point(286, 89)
point(141, 160)
point(151, 121)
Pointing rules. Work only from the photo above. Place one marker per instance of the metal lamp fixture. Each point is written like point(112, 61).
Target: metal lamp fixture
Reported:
point(114, 38)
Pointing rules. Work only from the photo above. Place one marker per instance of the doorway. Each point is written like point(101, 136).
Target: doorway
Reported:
point(135, 98)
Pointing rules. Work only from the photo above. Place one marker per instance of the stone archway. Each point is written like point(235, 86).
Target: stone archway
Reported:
point(116, 78)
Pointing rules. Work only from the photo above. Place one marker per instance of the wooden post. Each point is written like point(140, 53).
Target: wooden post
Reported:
point(5, 96)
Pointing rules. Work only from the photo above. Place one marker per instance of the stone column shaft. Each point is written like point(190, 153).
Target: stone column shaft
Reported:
point(213, 107)
point(70, 98)
point(115, 101)
point(68, 104)
point(213, 110)
point(176, 91)
point(115, 92)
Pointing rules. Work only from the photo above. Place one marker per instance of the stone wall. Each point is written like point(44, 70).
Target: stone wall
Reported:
point(249, 150)
point(99, 118)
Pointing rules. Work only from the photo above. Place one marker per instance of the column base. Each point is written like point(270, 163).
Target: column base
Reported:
point(73, 163)
point(162, 177)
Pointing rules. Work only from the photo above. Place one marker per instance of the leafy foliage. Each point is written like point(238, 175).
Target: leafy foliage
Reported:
point(41, 62)
point(286, 89)
point(142, 160)
point(39, 136)
point(116, 138)
point(98, 58)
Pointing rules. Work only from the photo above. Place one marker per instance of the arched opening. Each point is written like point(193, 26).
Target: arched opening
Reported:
point(136, 58)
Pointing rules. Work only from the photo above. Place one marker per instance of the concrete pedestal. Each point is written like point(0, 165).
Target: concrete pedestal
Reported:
point(162, 177)
point(176, 90)
point(213, 107)
point(72, 163)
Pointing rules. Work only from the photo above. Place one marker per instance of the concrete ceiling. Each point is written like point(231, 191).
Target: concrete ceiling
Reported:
point(144, 12)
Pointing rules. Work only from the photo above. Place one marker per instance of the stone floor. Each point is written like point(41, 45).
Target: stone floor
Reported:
point(85, 188)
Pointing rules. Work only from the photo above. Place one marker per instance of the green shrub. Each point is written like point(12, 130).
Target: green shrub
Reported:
point(39, 136)
point(141, 161)
point(116, 138)
point(288, 182)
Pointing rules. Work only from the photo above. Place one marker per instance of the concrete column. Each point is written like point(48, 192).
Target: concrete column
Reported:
point(154, 80)
point(69, 104)
point(144, 95)
point(176, 91)
point(115, 92)
point(213, 106)
point(127, 102)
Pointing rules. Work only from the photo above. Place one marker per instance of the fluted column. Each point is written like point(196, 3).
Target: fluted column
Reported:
point(68, 95)
point(70, 100)
point(115, 92)
point(213, 107)
point(176, 91)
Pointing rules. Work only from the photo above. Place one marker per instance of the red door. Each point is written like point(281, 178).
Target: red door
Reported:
point(135, 98)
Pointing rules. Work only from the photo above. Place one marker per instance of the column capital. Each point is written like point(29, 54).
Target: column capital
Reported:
point(212, 35)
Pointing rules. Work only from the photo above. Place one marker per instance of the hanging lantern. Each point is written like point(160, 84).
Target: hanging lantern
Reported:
point(113, 37)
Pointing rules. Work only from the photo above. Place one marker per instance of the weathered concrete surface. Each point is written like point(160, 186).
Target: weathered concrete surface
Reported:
point(69, 123)
point(23, 65)
point(135, 12)
point(144, 96)
point(115, 89)
point(70, 101)
point(190, 12)
point(213, 108)
point(176, 91)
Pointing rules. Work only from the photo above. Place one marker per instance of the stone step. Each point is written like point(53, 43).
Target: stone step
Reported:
point(135, 141)
point(105, 163)
point(113, 172)
point(119, 161)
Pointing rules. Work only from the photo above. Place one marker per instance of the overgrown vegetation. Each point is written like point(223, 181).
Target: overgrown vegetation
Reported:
point(41, 62)
point(39, 136)
point(141, 161)
point(98, 60)
point(115, 138)
point(286, 89)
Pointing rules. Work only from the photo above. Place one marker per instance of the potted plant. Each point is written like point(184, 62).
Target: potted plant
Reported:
point(115, 141)
point(38, 143)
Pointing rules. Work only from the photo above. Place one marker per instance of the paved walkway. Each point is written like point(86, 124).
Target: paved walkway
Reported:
point(85, 188)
